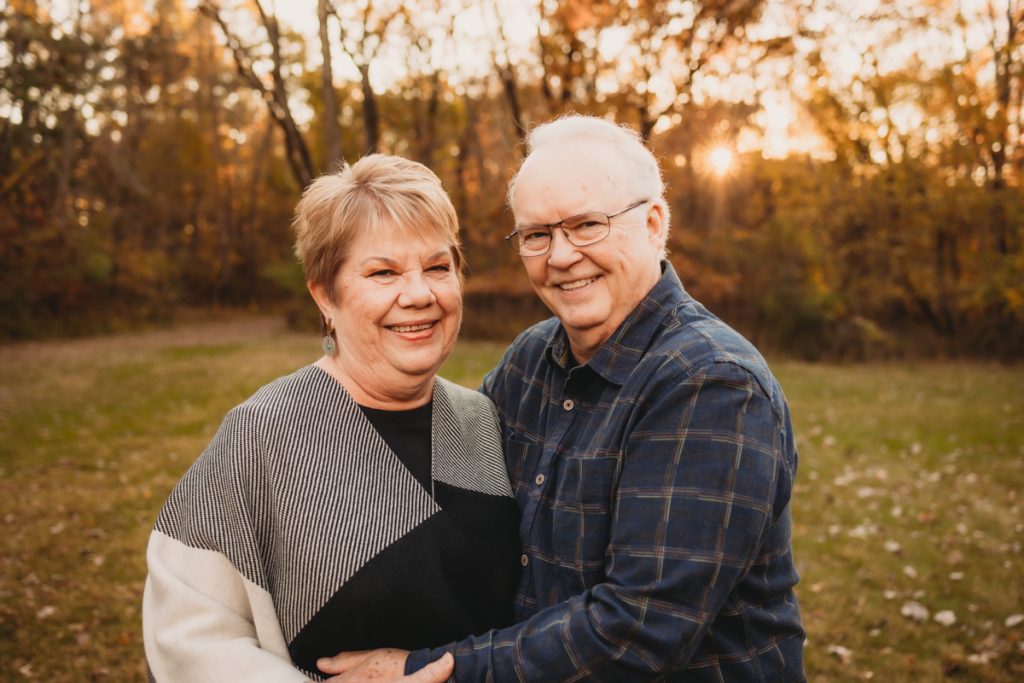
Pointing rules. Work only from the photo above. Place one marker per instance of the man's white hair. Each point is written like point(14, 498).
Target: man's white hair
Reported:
point(638, 163)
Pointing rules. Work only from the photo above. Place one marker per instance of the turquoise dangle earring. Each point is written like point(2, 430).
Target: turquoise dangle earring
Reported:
point(329, 345)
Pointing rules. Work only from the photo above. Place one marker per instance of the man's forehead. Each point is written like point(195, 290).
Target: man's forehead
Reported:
point(566, 179)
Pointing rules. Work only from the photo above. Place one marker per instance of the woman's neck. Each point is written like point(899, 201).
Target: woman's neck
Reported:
point(397, 393)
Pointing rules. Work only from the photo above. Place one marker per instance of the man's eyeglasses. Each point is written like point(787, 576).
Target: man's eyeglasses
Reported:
point(581, 231)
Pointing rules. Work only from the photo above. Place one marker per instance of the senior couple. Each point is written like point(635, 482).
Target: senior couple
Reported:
point(613, 505)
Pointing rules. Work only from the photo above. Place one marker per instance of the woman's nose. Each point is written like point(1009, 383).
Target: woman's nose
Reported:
point(416, 292)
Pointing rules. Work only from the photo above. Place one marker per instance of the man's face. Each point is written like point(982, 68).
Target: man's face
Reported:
point(591, 289)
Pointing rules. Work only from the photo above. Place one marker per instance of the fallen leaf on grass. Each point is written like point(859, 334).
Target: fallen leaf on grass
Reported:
point(844, 654)
point(1014, 620)
point(863, 530)
point(914, 611)
point(945, 617)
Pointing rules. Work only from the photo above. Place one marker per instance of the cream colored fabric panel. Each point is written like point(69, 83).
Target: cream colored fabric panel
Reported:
point(203, 621)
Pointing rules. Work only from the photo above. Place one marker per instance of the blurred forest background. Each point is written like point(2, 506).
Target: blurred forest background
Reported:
point(844, 177)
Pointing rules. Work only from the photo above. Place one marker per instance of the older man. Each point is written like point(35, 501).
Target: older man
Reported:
point(649, 446)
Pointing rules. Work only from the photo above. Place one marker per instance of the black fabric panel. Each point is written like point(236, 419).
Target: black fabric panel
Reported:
point(452, 576)
point(407, 434)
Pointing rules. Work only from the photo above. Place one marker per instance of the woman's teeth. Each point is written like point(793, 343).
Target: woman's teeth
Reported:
point(412, 328)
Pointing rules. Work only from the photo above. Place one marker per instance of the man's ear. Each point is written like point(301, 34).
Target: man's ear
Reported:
point(656, 222)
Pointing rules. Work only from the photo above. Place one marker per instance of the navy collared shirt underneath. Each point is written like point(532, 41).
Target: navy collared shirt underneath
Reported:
point(653, 485)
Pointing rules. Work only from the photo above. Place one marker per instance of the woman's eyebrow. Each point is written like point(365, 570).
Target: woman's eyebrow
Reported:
point(380, 259)
point(388, 261)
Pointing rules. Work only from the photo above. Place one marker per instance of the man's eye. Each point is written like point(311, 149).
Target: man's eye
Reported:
point(535, 235)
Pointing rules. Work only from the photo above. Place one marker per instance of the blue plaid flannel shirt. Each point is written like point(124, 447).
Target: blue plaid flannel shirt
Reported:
point(654, 485)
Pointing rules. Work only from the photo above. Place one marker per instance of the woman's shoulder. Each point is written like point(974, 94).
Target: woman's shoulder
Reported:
point(281, 397)
point(464, 399)
point(469, 453)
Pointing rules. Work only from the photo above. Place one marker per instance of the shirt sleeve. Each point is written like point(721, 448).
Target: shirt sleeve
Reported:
point(703, 478)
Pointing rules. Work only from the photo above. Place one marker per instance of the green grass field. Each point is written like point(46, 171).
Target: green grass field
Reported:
point(909, 493)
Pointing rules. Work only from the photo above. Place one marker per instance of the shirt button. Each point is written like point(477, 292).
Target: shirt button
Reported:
point(568, 404)
point(524, 560)
point(539, 479)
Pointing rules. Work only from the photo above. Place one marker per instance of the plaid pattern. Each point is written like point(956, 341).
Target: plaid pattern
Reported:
point(654, 487)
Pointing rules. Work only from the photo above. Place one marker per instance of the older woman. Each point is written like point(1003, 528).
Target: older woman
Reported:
point(360, 501)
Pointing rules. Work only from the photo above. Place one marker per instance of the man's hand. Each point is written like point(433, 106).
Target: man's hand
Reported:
point(386, 665)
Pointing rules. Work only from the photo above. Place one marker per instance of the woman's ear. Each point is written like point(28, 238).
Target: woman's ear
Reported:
point(323, 302)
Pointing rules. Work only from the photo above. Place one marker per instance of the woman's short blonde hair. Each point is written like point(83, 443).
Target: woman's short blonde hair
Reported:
point(379, 191)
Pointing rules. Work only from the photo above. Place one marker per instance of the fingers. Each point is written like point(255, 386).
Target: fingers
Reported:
point(437, 671)
point(343, 661)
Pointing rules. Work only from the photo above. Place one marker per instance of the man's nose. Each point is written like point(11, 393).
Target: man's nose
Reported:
point(562, 252)
point(416, 291)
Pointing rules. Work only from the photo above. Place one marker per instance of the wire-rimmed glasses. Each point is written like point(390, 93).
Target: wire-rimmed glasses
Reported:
point(581, 231)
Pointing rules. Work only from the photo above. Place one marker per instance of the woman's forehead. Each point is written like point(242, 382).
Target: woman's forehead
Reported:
point(400, 239)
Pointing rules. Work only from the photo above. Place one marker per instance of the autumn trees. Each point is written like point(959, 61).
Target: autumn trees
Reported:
point(151, 154)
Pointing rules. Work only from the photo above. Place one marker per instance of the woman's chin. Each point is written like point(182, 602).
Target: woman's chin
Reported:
point(420, 365)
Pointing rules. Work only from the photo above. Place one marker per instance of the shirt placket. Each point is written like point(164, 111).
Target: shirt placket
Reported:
point(562, 407)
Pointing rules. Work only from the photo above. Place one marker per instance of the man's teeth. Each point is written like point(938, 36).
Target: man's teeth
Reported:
point(412, 328)
point(577, 284)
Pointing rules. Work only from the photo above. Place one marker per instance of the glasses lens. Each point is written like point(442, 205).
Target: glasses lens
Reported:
point(533, 240)
point(587, 228)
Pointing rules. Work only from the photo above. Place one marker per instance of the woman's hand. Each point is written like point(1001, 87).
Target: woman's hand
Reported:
point(386, 665)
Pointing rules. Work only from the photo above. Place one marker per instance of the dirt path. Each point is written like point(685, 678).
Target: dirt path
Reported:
point(219, 330)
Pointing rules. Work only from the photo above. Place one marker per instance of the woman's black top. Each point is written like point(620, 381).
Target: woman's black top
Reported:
point(452, 576)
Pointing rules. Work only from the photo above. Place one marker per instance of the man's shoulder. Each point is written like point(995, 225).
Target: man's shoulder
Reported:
point(697, 342)
point(522, 362)
point(531, 344)
point(539, 335)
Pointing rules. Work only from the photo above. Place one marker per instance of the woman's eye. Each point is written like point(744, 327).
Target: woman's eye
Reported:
point(440, 268)
point(382, 273)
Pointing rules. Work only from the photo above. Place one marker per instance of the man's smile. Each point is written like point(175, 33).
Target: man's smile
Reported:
point(576, 284)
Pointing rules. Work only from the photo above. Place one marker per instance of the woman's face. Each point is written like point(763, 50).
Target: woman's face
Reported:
point(397, 310)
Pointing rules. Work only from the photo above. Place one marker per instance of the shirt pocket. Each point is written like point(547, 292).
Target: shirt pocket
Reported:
point(522, 459)
point(581, 504)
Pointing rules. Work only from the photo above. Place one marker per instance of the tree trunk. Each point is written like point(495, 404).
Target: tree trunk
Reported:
point(371, 117)
point(332, 130)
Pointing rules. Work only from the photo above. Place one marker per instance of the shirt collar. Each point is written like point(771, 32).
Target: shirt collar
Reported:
point(620, 353)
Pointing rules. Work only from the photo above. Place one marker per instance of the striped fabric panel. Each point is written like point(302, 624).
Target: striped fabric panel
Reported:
point(465, 431)
point(288, 485)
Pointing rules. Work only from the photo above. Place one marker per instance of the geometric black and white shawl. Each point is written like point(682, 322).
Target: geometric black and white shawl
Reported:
point(298, 533)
